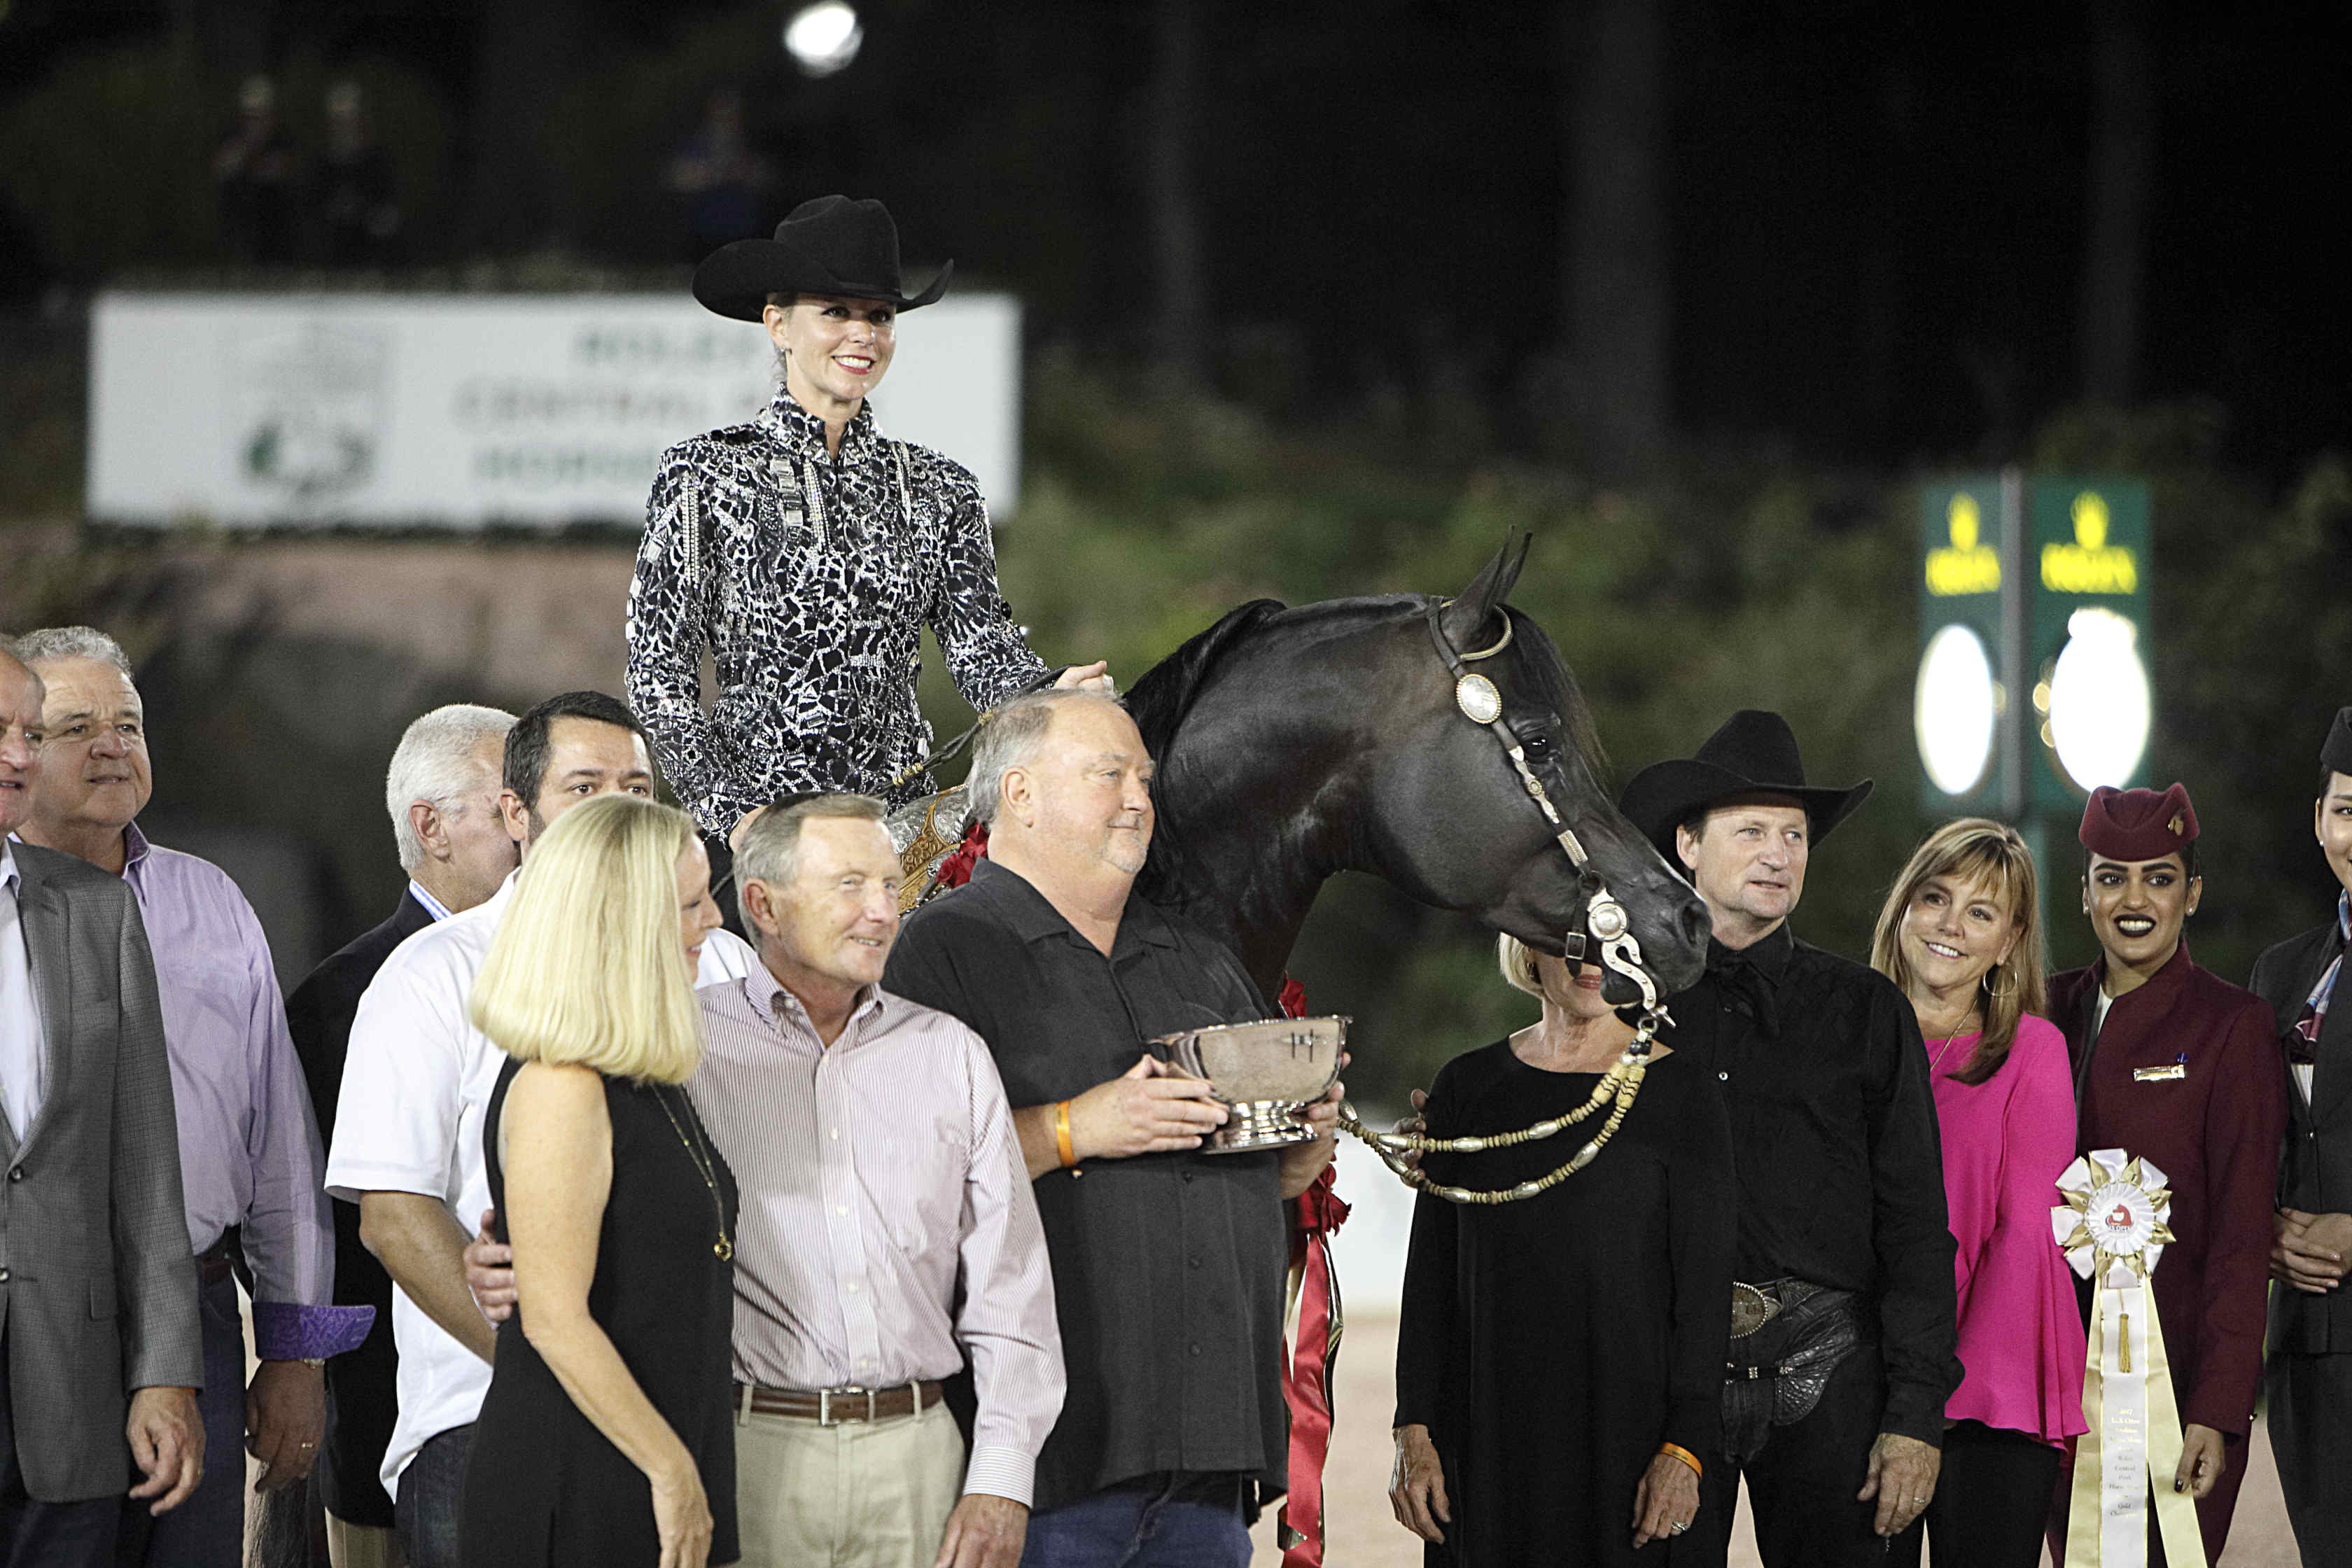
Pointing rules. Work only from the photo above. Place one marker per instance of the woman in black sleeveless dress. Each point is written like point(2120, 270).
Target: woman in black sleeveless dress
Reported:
point(605, 1437)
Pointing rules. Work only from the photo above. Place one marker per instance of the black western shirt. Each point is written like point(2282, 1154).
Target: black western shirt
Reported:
point(1168, 1269)
point(1839, 1161)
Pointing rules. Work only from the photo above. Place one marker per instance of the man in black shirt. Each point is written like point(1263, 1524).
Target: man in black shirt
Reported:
point(1168, 1261)
point(1842, 1323)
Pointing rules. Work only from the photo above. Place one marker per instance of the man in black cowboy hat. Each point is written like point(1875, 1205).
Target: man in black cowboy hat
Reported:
point(1842, 1323)
point(807, 551)
point(2310, 1371)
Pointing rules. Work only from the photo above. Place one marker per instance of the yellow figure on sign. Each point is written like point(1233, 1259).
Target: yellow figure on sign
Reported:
point(2091, 520)
point(2090, 564)
point(1966, 565)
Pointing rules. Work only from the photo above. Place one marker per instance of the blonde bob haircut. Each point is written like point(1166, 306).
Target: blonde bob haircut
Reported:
point(587, 969)
point(1971, 851)
point(1518, 962)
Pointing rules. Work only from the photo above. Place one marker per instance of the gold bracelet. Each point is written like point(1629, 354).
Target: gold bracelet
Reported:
point(1062, 1135)
point(1686, 1457)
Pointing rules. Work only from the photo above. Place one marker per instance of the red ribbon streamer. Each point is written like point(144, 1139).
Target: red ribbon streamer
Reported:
point(1307, 1377)
point(956, 870)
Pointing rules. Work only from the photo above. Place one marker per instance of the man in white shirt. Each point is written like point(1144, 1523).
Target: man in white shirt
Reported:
point(408, 1131)
point(441, 792)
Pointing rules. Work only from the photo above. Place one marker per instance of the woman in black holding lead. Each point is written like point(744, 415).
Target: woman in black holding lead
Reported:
point(1559, 1360)
point(807, 551)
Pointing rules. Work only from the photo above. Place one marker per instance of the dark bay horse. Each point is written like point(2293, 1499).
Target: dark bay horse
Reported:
point(1295, 743)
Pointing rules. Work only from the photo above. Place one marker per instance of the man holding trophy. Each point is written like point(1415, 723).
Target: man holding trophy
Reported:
point(1168, 1254)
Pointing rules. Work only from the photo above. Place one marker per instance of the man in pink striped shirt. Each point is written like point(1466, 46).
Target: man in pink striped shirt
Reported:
point(889, 1236)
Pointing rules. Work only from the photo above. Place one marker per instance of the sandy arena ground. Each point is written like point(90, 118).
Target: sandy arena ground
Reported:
point(1364, 1535)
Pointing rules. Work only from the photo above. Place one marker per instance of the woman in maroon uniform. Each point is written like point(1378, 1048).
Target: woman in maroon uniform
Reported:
point(2176, 1064)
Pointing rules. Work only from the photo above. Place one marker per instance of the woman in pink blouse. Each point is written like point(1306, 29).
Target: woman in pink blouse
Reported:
point(1959, 934)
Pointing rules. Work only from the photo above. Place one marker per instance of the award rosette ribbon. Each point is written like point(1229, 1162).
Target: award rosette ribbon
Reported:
point(2113, 1229)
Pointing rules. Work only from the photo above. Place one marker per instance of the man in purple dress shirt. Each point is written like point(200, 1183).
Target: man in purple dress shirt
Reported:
point(249, 1152)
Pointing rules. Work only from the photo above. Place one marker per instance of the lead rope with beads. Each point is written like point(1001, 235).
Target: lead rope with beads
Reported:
point(1607, 920)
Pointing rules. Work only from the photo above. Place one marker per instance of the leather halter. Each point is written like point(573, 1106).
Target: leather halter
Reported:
point(1606, 923)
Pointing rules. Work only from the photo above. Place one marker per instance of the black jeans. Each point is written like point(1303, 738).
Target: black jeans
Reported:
point(37, 1534)
point(2311, 1435)
point(208, 1530)
point(1801, 1486)
point(1992, 1500)
point(426, 1510)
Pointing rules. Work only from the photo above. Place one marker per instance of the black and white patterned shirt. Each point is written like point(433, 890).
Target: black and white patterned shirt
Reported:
point(810, 579)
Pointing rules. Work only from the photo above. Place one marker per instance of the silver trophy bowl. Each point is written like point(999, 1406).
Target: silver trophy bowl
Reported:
point(1265, 1072)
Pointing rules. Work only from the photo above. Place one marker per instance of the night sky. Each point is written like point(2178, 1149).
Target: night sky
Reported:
point(1877, 213)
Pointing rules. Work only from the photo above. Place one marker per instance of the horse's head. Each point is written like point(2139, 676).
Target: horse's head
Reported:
point(1462, 828)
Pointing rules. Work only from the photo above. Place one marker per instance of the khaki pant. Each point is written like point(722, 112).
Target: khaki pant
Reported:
point(352, 1545)
point(861, 1495)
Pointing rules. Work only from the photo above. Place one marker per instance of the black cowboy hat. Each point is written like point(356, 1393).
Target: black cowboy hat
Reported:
point(1755, 753)
point(829, 246)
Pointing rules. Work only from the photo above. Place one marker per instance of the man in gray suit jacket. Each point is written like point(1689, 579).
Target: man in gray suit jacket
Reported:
point(97, 1289)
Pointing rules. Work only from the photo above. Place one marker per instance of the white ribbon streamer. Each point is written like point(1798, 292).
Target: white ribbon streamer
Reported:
point(2114, 1228)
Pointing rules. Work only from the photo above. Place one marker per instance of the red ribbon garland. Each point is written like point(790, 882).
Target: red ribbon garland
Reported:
point(1307, 1374)
point(956, 870)
point(1307, 1377)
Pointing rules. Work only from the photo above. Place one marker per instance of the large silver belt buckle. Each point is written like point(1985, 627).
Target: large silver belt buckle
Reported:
point(1751, 1309)
point(825, 1397)
point(1265, 1072)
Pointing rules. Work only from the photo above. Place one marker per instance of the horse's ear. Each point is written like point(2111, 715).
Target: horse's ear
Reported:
point(1468, 616)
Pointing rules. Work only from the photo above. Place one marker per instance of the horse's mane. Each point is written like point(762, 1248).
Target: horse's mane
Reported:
point(1158, 701)
point(1543, 667)
point(1164, 694)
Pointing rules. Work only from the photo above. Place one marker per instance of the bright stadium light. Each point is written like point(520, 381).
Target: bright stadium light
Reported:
point(1953, 709)
point(2099, 700)
point(824, 37)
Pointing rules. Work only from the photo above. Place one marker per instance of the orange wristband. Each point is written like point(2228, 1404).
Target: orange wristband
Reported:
point(1686, 1457)
point(1062, 1135)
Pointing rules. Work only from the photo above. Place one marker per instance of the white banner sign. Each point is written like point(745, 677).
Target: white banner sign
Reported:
point(456, 411)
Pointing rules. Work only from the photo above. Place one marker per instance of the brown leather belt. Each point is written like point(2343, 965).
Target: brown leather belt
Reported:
point(212, 1263)
point(835, 1407)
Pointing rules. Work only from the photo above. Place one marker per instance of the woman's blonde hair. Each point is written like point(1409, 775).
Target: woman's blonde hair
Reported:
point(588, 969)
point(1518, 962)
point(1971, 849)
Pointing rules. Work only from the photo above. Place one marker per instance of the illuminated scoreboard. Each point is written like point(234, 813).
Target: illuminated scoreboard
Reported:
point(2033, 682)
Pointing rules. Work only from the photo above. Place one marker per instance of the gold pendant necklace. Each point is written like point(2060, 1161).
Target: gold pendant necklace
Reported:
point(724, 1249)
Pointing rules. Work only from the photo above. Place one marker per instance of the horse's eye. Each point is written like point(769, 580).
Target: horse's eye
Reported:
point(1537, 744)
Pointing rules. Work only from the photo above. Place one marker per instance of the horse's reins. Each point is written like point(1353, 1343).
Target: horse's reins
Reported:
point(1606, 926)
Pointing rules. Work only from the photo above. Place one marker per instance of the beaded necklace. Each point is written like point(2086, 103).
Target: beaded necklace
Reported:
point(724, 1249)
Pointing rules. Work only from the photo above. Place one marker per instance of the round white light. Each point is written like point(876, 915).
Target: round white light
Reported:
point(824, 37)
point(2099, 704)
point(1953, 708)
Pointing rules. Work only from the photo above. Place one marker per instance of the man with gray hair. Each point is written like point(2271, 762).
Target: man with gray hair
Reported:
point(887, 1235)
point(249, 1153)
point(441, 794)
point(93, 1213)
point(1168, 1262)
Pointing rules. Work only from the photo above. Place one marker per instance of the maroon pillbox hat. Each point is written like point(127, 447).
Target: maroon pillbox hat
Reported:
point(2136, 825)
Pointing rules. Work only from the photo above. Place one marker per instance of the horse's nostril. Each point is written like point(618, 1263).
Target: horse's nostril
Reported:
point(1695, 924)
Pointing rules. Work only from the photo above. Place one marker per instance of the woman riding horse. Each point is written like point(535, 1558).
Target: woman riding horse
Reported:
point(807, 551)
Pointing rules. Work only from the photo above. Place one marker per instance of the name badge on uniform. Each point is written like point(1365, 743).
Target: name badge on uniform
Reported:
point(2159, 1075)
